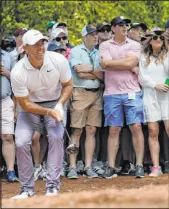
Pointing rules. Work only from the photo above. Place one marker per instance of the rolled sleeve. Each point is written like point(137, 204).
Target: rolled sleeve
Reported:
point(135, 49)
point(65, 75)
point(18, 86)
point(104, 50)
point(75, 58)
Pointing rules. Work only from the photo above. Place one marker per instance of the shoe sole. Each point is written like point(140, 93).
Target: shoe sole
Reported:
point(139, 177)
point(114, 176)
point(73, 177)
point(90, 177)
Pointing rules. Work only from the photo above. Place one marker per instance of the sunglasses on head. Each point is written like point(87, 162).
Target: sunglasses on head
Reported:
point(58, 39)
point(104, 30)
point(121, 24)
point(155, 37)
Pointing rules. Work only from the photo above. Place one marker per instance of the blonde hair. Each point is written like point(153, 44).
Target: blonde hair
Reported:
point(148, 52)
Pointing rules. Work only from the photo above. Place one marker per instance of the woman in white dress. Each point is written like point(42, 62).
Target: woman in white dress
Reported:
point(153, 72)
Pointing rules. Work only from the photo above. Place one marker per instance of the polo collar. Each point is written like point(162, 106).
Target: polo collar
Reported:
point(86, 49)
point(114, 42)
point(28, 65)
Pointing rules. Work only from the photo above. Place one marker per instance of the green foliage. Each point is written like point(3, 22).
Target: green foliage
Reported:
point(36, 14)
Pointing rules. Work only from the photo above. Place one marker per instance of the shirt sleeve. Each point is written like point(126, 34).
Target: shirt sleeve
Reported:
point(75, 57)
point(65, 75)
point(18, 86)
point(104, 51)
point(135, 49)
point(144, 80)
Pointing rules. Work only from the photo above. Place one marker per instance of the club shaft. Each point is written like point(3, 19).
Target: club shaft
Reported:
point(70, 141)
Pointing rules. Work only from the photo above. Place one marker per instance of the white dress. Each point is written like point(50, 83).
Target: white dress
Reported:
point(156, 104)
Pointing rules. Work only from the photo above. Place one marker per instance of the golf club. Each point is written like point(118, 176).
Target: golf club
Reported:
point(72, 148)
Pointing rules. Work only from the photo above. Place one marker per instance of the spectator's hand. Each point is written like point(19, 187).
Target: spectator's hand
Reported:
point(166, 35)
point(102, 63)
point(135, 70)
point(162, 87)
point(83, 68)
point(15, 115)
point(5, 72)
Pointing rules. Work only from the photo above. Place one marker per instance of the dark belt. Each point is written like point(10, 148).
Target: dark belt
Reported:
point(93, 90)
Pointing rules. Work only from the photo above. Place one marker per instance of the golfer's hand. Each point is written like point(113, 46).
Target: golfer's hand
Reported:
point(55, 114)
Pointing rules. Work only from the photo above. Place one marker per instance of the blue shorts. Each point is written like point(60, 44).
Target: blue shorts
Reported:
point(118, 105)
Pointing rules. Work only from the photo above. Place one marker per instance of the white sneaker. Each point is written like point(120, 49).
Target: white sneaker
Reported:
point(37, 172)
point(23, 195)
point(51, 191)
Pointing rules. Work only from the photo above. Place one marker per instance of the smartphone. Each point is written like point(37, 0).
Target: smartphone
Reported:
point(167, 81)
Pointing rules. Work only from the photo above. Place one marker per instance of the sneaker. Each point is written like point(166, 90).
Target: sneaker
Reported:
point(11, 177)
point(166, 167)
point(51, 191)
point(109, 173)
point(139, 172)
point(155, 171)
point(72, 174)
point(98, 170)
point(90, 173)
point(37, 172)
point(23, 195)
point(127, 169)
point(80, 167)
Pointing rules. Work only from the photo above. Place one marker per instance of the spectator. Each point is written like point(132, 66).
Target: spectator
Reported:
point(54, 48)
point(49, 27)
point(61, 25)
point(86, 103)
point(7, 117)
point(104, 32)
point(122, 92)
point(154, 70)
point(59, 36)
point(35, 80)
point(136, 31)
point(18, 52)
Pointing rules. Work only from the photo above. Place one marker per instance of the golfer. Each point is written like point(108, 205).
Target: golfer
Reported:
point(41, 83)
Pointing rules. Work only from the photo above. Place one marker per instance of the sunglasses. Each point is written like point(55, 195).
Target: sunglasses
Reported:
point(104, 30)
point(155, 37)
point(121, 24)
point(58, 39)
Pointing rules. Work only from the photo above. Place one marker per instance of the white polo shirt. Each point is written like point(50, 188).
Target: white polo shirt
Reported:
point(44, 84)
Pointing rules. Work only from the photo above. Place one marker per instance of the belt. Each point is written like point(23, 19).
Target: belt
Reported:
point(93, 89)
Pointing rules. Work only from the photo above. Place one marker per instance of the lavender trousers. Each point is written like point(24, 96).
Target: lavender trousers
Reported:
point(25, 128)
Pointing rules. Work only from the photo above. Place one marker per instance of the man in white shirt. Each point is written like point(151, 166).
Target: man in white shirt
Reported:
point(41, 83)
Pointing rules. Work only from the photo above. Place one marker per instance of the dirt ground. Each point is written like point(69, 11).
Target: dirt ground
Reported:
point(117, 192)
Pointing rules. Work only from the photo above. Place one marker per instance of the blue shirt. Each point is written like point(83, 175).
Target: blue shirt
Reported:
point(80, 55)
point(5, 82)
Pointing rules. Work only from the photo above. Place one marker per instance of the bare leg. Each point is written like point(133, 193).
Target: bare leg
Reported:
point(75, 140)
point(89, 145)
point(138, 142)
point(153, 142)
point(8, 150)
point(113, 145)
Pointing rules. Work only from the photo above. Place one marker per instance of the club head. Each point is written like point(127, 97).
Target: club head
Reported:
point(72, 149)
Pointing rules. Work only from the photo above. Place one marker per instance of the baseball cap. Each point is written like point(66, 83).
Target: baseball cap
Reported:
point(167, 24)
point(142, 25)
point(101, 25)
point(56, 32)
point(157, 31)
point(53, 47)
point(50, 24)
point(20, 31)
point(87, 29)
point(32, 36)
point(119, 19)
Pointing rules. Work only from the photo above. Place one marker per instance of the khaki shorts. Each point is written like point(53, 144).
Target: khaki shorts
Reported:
point(86, 108)
point(7, 116)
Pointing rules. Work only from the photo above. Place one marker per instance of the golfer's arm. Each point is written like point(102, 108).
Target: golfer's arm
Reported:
point(122, 64)
point(66, 92)
point(29, 106)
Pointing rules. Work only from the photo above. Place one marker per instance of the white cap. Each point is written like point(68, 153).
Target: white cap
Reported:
point(56, 32)
point(32, 36)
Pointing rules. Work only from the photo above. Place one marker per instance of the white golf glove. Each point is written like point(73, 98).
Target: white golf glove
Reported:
point(59, 107)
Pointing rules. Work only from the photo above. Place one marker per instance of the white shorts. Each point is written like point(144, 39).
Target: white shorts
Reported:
point(7, 116)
